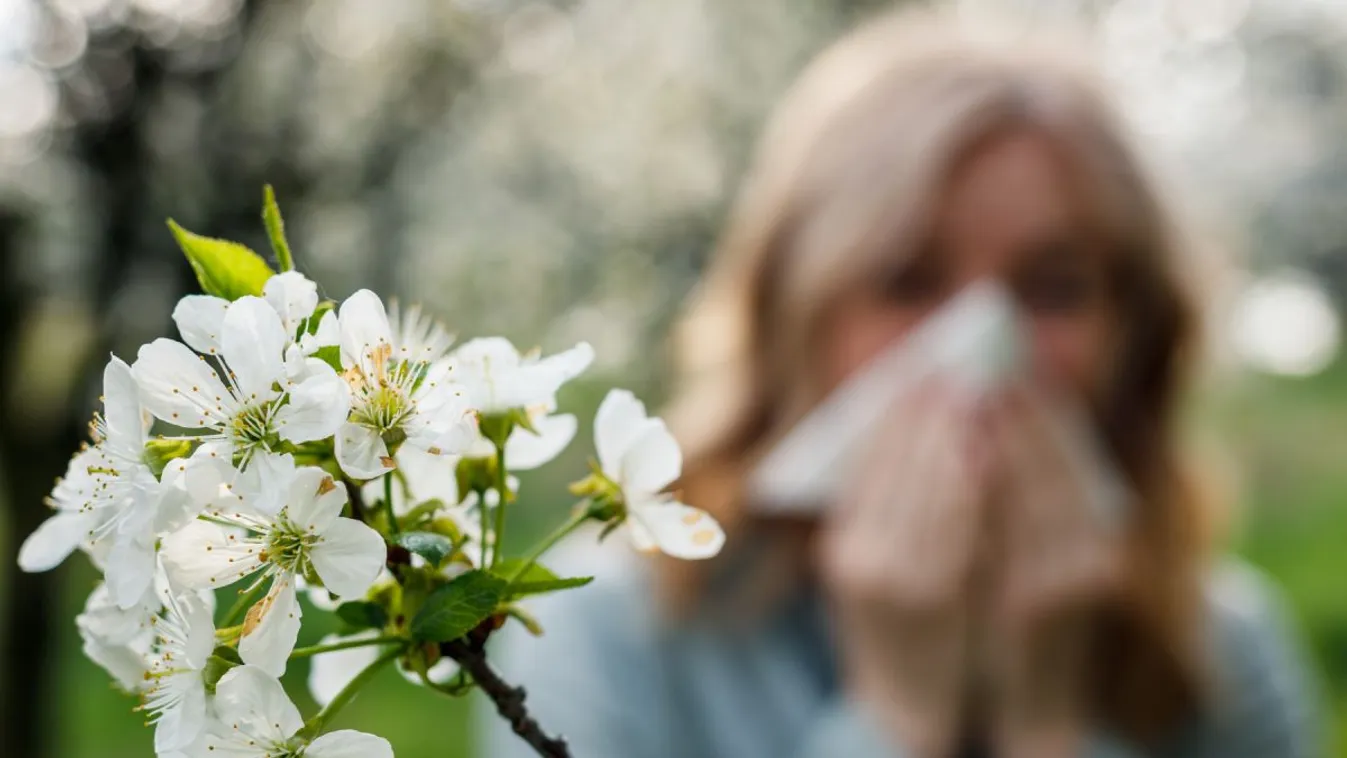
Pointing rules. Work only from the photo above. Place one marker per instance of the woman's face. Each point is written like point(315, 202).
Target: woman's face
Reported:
point(1010, 212)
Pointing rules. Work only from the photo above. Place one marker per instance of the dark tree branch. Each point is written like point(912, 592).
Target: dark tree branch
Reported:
point(471, 655)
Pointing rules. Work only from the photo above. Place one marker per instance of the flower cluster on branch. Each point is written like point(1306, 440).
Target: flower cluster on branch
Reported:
point(347, 452)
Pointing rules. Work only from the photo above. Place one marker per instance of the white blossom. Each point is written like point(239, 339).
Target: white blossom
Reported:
point(256, 719)
point(416, 336)
point(110, 496)
point(396, 399)
point(498, 379)
point(306, 534)
point(118, 639)
point(294, 297)
point(251, 404)
point(640, 456)
point(175, 691)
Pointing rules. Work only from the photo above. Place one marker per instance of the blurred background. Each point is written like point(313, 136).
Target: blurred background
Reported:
point(556, 170)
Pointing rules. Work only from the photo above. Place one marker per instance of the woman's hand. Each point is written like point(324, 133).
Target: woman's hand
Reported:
point(1058, 565)
point(897, 559)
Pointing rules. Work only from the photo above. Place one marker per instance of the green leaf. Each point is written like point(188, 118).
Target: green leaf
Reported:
point(527, 619)
point(331, 355)
point(271, 216)
point(362, 614)
point(459, 606)
point(159, 453)
point(224, 269)
point(222, 659)
point(538, 579)
point(433, 547)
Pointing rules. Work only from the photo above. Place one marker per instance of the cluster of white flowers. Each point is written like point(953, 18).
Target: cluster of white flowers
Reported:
point(287, 444)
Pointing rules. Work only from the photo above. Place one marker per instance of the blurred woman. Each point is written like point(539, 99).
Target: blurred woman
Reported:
point(959, 600)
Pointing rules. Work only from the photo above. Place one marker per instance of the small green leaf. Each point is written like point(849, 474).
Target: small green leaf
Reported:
point(224, 269)
point(433, 547)
point(538, 579)
point(527, 619)
point(331, 355)
point(310, 325)
point(456, 608)
point(218, 664)
point(271, 216)
point(158, 453)
point(362, 614)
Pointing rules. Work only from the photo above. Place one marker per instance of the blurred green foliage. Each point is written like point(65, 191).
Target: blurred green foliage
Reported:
point(1285, 438)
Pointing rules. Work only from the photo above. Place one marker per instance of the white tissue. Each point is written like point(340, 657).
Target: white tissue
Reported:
point(976, 341)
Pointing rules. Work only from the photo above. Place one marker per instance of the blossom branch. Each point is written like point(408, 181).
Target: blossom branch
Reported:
point(471, 655)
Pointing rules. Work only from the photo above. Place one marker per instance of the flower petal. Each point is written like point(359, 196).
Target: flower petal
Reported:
point(248, 695)
point(364, 330)
point(525, 450)
point(318, 406)
point(652, 462)
point(293, 296)
point(200, 319)
point(253, 343)
point(361, 453)
point(210, 479)
point(265, 485)
point(676, 529)
point(328, 334)
point(331, 672)
point(428, 476)
point(180, 726)
point(348, 743)
point(619, 422)
point(538, 381)
point(313, 501)
point(123, 663)
point(179, 387)
point(130, 570)
point(203, 555)
point(124, 422)
point(54, 540)
point(174, 506)
point(349, 557)
point(641, 538)
point(271, 628)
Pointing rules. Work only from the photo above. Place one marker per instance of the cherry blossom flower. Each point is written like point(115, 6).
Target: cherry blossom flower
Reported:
point(110, 496)
point(175, 691)
point(251, 404)
point(397, 400)
point(499, 379)
point(307, 535)
point(256, 719)
point(640, 458)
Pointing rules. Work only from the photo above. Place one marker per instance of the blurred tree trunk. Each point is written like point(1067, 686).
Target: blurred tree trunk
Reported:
point(31, 458)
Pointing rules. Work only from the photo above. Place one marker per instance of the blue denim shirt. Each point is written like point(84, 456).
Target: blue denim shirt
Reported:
point(618, 683)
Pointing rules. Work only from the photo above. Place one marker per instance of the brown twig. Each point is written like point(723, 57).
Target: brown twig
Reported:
point(470, 652)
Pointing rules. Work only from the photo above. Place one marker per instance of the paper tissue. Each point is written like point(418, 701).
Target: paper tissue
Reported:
point(976, 341)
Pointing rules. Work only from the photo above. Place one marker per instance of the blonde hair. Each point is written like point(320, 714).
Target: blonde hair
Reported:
point(846, 178)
